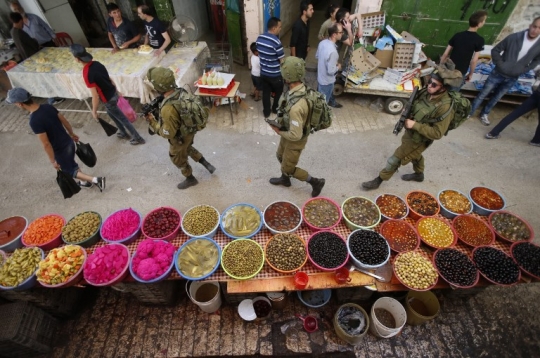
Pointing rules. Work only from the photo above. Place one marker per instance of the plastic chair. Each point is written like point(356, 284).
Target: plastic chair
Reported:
point(64, 40)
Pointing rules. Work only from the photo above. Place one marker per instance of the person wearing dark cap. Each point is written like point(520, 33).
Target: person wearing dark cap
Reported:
point(432, 102)
point(56, 136)
point(103, 88)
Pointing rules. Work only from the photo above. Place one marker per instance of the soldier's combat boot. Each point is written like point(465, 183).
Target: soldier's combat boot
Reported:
point(419, 177)
point(317, 185)
point(282, 180)
point(207, 165)
point(190, 181)
point(373, 184)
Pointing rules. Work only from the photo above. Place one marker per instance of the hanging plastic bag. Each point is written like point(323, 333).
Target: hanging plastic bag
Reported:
point(126, 108)
point(108, 128)
point(86, 154)
point(67, 184)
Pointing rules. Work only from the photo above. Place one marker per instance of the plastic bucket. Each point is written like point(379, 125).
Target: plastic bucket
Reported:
point(278, 299)
point(396, 309)
point(204, 295)
point(421, 307)
point(351, 339)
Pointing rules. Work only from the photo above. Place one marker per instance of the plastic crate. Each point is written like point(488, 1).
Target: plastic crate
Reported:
point(25, 331)
point(160, 293)
point(235, 298)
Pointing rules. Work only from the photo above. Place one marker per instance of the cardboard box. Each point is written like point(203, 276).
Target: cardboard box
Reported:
point(397, 77)
point(385, 56)
point(363, 61)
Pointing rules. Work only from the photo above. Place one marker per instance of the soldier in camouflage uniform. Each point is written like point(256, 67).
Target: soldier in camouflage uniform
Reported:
point(180, 145)
point(293, 127)
point(431, 103)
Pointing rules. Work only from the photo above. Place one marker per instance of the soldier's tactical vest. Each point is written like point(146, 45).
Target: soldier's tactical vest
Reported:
point(286, 102)
point(193, 114)
point(423, 111)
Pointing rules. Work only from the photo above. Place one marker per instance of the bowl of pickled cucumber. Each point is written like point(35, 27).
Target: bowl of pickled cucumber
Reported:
point(82, 229)
point(197, 258)
point(241, 221)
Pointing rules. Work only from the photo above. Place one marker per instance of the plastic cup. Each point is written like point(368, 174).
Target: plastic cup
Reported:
point(342, 276)
point(301, 280)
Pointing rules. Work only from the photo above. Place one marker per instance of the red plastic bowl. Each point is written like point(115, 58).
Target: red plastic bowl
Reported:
point(51, 244)
point(444, 278)
point(454, 241)
point(74, 279)
point(482, 222)
point(415, 215)
point(490, 280)
point(173, 234)
point(315, 228)
point(512, 253)
point(531, 231)
point(409, 287)
point(324, 268)
point(386, 229)
point(123, 274)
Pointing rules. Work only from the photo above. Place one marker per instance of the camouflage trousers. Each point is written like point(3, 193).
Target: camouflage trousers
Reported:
point(180, 150)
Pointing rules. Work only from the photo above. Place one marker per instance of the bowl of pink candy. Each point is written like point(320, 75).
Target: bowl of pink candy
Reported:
point(153, 261)
point(107, 265)
point(121, 227)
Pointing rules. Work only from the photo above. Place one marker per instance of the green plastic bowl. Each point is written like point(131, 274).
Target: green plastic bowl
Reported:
point(90, 240)
point(352, 226)
point(235, 242)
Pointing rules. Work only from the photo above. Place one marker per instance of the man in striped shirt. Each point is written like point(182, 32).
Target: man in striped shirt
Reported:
point(271, 55)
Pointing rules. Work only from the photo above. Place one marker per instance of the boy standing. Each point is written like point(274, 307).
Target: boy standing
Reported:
point(255, 72)
point(122, 33)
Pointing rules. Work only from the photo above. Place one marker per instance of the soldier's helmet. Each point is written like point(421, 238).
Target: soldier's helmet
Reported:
point(447, 74)
point(161, 78)
point(293, 69)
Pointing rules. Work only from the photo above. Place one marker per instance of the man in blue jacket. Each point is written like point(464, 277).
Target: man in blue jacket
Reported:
point(516, 54)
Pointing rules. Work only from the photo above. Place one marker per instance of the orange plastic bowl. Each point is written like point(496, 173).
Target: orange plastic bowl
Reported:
point(51, 243)
point(283, 271)
point(415, 198)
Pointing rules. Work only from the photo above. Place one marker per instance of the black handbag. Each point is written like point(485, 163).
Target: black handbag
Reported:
point(67, 184)
point(86, 154)
point(108, 128)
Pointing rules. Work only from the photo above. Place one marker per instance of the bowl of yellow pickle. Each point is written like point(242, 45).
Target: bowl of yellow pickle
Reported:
point(241, 220)
point(197, 258)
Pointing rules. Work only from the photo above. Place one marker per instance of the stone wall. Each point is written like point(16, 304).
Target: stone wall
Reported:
point(520, 19)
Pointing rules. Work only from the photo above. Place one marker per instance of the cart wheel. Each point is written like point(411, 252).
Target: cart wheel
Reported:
point(394, 105)
point(338, 88)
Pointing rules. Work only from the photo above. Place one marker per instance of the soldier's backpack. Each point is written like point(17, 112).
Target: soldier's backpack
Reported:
point(192, 112)
point(320, 114)
point(461, 107)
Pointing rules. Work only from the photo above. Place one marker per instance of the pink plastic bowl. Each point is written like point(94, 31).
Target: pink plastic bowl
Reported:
point(120, 277)
point(324, 268)
point(173, 234)
point(73, 280)
point(51, 244)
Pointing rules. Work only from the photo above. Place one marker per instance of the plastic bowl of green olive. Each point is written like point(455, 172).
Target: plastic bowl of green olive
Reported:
point(201, 221)
point(241, 220)
point(510, 227)
point(286, 253)
point(360, 213)
point(82, 229)
point(242, 259)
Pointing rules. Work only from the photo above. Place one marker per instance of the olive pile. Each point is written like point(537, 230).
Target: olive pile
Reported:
point(19, 266)
point(391, 206)
point(81, 227)
point(368, 247)
point(496, 265)
point(422, 203)
point(327, 249)
point(510, 227)
point(286, 252)
point(527, 256)
point(361, 212)
point(472, 231)
point(282, 216)
point(400, 236)
point(415, 271)
point(456, 267)
point(455, 202)
point(242, 258)
point(200, 220)
point(435, 232)
point(160, 223)
point(321, 213)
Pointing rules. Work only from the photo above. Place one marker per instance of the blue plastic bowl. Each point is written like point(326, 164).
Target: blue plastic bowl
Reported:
point(448, 213)
point(183, 246)
point(128, 240)
point(157, 279)
point(16, 243)
point(29, 282)
point(315, 297)
point(481, 210)
point(244, 237)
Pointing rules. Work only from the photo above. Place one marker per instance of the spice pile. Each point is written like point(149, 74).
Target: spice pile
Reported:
point(60, 265)
point(19, 266)
point(152, 259)
point(200, 220)
point(106, 264)
point(81, 227)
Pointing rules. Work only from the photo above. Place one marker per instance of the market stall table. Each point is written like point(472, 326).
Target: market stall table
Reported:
point(53, 72)
point(230, 97)
point(186, 62)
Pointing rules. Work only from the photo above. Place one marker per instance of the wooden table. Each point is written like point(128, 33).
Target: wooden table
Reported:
point(230, 96)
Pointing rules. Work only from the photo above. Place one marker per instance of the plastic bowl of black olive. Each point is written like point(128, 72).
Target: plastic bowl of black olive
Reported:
point(456, 268)
point(327, 250)
point(510, 227)
point(368, 249)
point(527, 256)
point(496, 266)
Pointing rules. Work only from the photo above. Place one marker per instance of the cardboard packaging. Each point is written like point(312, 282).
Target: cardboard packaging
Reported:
point(385, 56)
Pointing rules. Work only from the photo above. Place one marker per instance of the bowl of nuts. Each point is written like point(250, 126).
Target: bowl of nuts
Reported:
point(282, 217)
point(241, 221)
point(368, 249)
point(392, 207)
point(82, 229)
point(415, 271)
point(400, 235)
point(486, 200)
point(286, 253)
point(496, 266)
point(242, 259)
point(201, 221)
point(436, 232)
point(327, 250)
point(360, 213)
point(527, 256)
point(453, 203)
point(321, 213)
point(421, 204)
point(456, 268)
point(473, 231)
point(510, 227)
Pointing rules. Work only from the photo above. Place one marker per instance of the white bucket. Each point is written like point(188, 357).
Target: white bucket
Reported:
point(210, 306)
point(396, 309)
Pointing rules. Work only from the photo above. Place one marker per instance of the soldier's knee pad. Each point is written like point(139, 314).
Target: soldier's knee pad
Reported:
point(393, 163)
point(279, 158)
